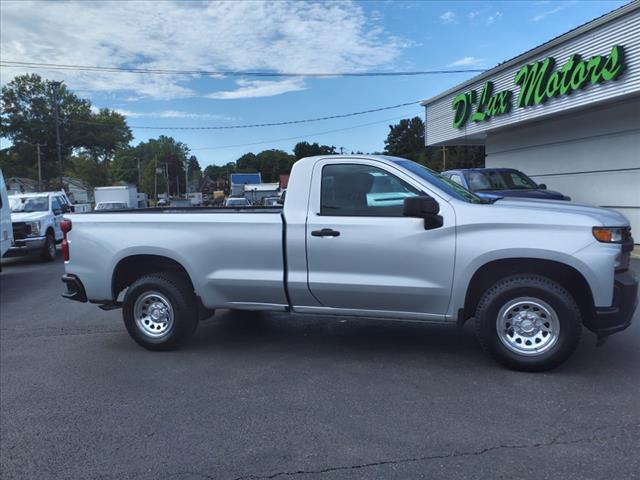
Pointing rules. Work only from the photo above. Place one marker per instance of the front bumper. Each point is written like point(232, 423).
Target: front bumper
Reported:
point(26, 246)
point(75, 289)
point(617, 317)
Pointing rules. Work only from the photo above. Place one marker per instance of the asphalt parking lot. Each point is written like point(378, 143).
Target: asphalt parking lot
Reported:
point(274, 397)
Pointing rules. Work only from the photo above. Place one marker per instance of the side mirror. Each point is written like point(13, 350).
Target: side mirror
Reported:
point(66, 208)
point(542, 186)
point(423, 207)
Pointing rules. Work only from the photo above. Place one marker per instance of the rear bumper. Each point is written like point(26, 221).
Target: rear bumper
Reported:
point(25, 246)
point(75, 289)
point(617, 317)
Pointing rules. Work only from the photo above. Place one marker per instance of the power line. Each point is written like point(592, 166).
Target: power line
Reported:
point(256, 125)
point(228, 73)
point(300, 136)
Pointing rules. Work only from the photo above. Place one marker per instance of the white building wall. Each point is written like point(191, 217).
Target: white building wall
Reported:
point(593, 156)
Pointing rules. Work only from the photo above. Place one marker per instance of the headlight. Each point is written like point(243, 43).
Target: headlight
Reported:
point(611, 234)
point(35, 229)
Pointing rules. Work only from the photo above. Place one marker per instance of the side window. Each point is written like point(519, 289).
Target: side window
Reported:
point(456, 178)
point(55, 205)
point(362, 191)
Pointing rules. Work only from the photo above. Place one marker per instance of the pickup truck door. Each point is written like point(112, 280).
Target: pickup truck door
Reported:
point(362, 254)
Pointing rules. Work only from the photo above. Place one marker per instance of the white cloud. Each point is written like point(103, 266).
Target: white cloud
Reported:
point(543, 15)
point(468, 62)
point(170, 114)
point(260, 88)
point(473, 15)
point(494, 17)
point(448, 17)
point(266, 36)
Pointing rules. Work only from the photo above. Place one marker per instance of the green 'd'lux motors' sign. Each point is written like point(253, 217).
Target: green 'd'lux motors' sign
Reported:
point(538, 83)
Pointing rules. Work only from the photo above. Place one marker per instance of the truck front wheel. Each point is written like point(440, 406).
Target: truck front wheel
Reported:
point(160, 311)
point(48, 253)
point(528, 322)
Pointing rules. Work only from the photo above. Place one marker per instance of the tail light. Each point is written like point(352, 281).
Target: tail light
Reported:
point(65, 226)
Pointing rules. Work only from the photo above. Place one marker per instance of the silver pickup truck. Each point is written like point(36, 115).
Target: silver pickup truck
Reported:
point(366, 236)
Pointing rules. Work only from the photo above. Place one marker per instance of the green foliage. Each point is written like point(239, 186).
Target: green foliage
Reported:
point(306, 149)
point(406, 140)
point(220, 172)
point(27, 106)
point(85, 168)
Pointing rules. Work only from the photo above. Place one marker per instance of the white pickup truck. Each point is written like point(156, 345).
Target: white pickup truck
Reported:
point(35, 219)
point(366, 236)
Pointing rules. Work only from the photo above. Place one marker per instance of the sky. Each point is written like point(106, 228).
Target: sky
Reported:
point(281, 37)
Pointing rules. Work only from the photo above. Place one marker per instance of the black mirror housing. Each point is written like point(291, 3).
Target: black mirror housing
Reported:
point(425, 207)
point(542, 186)
point(420, 207)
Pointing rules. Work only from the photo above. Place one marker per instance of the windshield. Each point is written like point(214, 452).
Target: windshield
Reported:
point(499, 180)
point(443, 183)
point(29, 204)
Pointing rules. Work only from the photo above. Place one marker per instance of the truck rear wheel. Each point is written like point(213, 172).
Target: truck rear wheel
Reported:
point(160, 311)
point(528, 322)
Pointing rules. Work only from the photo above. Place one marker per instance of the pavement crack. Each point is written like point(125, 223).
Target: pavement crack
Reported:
point(553, 442)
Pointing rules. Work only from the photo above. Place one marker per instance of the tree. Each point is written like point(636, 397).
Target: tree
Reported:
point(406, 139)
point(306, 149)
point(27, 116)
point(28, 119)
point(168, 153)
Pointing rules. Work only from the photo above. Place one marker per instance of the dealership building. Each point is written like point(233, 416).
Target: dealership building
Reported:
point(567, 113)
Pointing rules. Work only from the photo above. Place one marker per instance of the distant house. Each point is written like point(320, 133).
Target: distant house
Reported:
point(239, 180)
point(257, 191)
point(77, 190)
point(17, 185)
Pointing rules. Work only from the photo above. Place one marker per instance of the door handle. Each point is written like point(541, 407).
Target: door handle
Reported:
point(325, 232)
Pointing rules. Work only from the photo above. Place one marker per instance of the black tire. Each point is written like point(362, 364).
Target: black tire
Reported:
point(536, 287)
point(49, 248)
point(175, 290)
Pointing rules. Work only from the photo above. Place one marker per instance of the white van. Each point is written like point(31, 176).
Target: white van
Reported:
point(6, 230)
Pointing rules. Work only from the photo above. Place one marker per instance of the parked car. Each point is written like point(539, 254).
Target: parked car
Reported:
point(237, 202)
point(111, 206)
point(271, 201)
point(163, 202)
point(35, 219)
point(418, 248)
point(501, 182)
point(6, 231)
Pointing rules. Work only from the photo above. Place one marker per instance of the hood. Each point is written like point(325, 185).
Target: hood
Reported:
point(597, 216)
point(527, 193)
point(28, 216)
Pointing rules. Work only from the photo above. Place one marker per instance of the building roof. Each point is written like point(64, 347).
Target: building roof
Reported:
point(244, 178)
point(536, 51)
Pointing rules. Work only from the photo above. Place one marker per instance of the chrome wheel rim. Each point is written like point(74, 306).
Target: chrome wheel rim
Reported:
point(153, 314)
point(52, 247)
point(528, 326)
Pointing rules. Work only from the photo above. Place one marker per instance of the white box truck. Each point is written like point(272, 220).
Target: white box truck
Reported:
point(118, 195)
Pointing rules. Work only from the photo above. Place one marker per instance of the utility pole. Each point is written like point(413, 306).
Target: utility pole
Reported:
point(56, 112)
point(155, 180)
point(139, 174)
point(39, 169)
point(186, 183)
point(166, 174)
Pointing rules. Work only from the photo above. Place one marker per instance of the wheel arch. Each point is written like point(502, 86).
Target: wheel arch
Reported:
point(130, 268)
point(566, 275)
